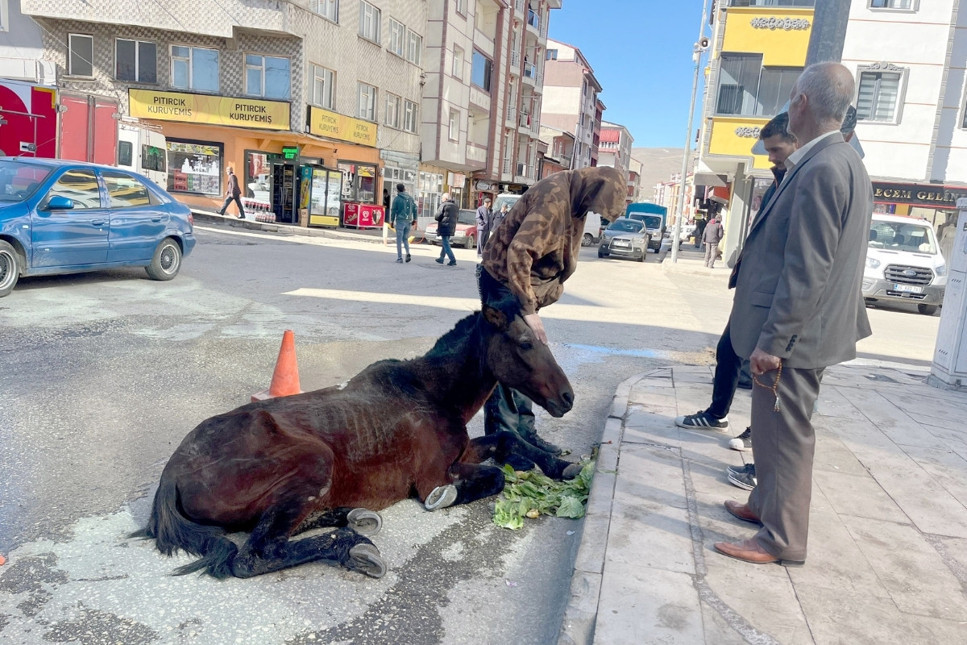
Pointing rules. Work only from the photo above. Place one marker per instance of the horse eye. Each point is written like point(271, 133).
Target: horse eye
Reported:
point(526, 344)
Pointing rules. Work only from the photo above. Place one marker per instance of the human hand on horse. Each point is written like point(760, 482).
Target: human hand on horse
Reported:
point(537, 326)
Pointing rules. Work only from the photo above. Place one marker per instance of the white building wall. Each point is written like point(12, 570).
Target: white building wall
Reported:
point(916, 45)
point(22, 46)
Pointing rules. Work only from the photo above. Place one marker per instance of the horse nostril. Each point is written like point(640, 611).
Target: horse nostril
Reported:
point(568, 398)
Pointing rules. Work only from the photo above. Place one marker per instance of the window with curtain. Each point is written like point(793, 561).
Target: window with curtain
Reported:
point(747, 88)
point(878, 96)
point(366, 102)
point(369, 21)
point(323, 87)
point(738, 83)
point(905, 5)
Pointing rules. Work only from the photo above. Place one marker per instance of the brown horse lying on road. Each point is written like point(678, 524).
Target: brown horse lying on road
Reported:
point(283, 466)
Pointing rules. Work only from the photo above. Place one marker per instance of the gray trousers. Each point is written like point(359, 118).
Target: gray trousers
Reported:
point(711, 253)
point(783, 450)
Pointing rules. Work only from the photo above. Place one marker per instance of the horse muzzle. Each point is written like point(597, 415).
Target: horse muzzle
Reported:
point(561, 404)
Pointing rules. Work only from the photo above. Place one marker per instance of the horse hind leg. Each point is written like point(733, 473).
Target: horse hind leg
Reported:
point(362, 520)
point(342, 547)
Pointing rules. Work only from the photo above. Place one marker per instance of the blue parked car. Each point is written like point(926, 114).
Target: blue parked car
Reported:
point(59, 216)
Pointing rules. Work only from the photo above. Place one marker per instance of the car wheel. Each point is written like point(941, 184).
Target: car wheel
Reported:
point(601, 254)
point(469, 244)
point(587, 240)
point(166, 261)
point(9, 268)
point(926, 310)
point(641, 258)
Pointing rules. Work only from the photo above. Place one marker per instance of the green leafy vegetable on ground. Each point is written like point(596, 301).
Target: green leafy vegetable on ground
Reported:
point(531, 494)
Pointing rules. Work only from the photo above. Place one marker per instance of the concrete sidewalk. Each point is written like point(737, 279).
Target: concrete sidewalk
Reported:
point(887, 559)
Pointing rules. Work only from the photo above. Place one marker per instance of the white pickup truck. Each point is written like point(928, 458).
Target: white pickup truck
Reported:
point(904, 263)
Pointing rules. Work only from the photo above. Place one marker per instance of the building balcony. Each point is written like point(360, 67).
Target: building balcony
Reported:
point(506, 166)
point(520, 6)
point(515, 63)
point(530, 74)
point(476, 156)
point(261, 15)
point(533, 22)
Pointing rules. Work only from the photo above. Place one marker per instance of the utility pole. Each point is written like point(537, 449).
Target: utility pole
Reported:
point(697, 50)
point(830, 18)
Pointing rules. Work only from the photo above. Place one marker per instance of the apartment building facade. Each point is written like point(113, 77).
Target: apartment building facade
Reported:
point(315, 93)
point(757, 50)
point(614, 147)
point(911, 102)
point(481, 102)
point(571, 102)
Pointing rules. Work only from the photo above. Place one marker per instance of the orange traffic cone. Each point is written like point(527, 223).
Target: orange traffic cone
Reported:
point(285, 379)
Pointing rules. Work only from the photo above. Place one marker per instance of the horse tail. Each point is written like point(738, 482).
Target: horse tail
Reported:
point(172, 531)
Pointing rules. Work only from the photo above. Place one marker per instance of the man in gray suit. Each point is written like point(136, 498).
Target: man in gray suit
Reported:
point(798, 308)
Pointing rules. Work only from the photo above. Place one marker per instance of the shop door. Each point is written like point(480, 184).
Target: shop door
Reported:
point(284, 193)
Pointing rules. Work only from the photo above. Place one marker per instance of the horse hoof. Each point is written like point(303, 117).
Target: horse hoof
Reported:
point(365, 558)
point(364, 521)
point(441, 497)
point(572, 471)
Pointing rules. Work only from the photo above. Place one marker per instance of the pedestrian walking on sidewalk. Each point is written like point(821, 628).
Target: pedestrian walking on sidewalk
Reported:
point(483, 217)
point(798, 308)
point(731, 371)
point(232, 194)
point(711, 237)
point(446, 227)
point(403, 216)
point(529, 255)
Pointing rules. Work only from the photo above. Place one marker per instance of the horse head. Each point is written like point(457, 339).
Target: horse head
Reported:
point(520, 361)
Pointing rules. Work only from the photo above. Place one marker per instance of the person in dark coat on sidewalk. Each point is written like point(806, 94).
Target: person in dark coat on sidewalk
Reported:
point(446, 227)
point(484, 215)
point(233, 194)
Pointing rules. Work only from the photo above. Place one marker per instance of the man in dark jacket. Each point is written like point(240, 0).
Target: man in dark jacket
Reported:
point(446, 227)
point(484, 215)
point(233, 193)
point(530, 255)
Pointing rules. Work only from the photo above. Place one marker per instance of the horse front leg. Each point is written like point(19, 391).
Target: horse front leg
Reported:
point(470, 482)
point(502, 445)
point(362, 520)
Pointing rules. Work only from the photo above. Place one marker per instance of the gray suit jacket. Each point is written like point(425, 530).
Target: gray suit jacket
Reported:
point(798, 288)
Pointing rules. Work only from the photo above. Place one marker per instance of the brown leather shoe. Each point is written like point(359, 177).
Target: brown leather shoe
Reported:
point(750, 551)
point(742, 512)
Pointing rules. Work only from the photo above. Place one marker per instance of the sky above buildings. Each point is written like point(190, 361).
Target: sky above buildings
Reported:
point(641, 53)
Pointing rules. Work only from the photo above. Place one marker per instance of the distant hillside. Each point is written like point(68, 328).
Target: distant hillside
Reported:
point(657, 165)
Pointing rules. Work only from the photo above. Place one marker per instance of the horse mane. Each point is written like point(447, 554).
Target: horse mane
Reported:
point(454, 341)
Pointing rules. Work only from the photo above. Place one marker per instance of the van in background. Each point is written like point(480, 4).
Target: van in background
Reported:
point(143, 150)
point(655, 218)
point(904, 263)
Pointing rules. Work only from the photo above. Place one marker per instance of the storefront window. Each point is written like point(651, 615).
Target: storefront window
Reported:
point(359, 183)
point(194, 167)
point(258, 176)
point(431, 188)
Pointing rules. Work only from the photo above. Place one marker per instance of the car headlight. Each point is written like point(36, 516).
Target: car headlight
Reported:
point(873, 263)
point(942, 269)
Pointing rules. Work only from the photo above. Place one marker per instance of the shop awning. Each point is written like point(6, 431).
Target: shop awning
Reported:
point(704, 176)
point(719, 194)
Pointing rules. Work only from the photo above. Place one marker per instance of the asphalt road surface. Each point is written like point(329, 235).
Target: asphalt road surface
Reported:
point(104, 373)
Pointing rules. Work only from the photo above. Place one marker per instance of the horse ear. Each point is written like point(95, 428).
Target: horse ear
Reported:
point(495, 317)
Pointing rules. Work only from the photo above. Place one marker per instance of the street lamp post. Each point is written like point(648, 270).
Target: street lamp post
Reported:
point(697, 50)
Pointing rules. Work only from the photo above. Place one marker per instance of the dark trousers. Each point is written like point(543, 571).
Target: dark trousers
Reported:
point(508, 409)
point(728, 365)
point(238, 201)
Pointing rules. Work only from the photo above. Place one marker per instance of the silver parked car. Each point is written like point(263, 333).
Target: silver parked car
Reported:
point(626, 238)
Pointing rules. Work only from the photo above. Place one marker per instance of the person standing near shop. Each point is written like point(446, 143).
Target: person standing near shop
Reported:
point(403, 216)
point(484, 215)
point(712, 235)
point(446, 227)
point(531, 252)
point(233, 193)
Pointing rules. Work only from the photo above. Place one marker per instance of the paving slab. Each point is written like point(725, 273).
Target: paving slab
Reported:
point(887, 558)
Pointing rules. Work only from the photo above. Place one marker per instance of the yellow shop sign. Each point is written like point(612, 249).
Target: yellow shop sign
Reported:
point(735, 136)
point(203, 108)
point(324, 123)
